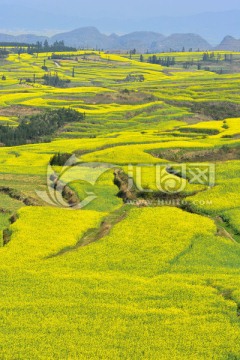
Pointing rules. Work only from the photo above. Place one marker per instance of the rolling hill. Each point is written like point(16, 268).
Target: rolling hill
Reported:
point(142, 41)
point(229, 43)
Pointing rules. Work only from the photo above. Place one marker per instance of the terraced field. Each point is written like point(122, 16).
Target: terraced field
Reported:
point(131, 249)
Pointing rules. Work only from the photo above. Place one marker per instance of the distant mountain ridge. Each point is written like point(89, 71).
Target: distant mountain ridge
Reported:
point(142, 41)
point(25, 38)
point(229, 43)
point(90, 37)
point(186, 41)
point(212, 26)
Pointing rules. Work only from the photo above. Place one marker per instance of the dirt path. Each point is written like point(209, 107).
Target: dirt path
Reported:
point(14, 194)
point(93, 235)
point(134, 197)
point(225, 230)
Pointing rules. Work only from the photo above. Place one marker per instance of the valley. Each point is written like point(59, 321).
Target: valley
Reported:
point(85, 273)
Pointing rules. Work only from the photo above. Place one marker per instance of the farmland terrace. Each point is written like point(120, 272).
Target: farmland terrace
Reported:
point(84, 274)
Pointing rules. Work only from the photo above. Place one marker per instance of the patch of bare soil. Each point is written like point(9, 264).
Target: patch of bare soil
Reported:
point(93, 235)
point(122, 97)
point(19, 110)
point(224, 153)
point(14, 194)
point(196, 118)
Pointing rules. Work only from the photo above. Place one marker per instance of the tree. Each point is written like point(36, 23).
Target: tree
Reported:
point(141, 58)
point(154, 59)
point(39, 46)
point(132, 52)
point(228, 57)
point(4, 78)
point(46, 45)
point(54, 80)
point(205, 57)
point(36, 127)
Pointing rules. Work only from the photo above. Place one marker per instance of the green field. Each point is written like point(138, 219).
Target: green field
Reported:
point(140, 272)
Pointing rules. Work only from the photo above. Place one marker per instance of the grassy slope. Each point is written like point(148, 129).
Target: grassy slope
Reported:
point(126, 296)
point(162, 285)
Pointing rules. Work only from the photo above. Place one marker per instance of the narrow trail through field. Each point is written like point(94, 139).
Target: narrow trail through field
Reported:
point(14, 194)
point(224, 229)
point(130, 199)
point(227, 294)
point(93, 235)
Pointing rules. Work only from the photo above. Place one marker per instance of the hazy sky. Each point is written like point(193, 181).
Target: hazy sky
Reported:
point(127, 8)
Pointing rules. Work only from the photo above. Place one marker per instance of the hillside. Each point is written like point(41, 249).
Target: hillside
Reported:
point(88, 37)
point(25, 38)
point(180, 41)
point(212, 26)
point(142, 41)
point(119, 206)
point(229, 43)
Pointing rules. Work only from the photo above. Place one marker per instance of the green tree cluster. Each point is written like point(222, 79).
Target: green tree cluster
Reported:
point(36, 128)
